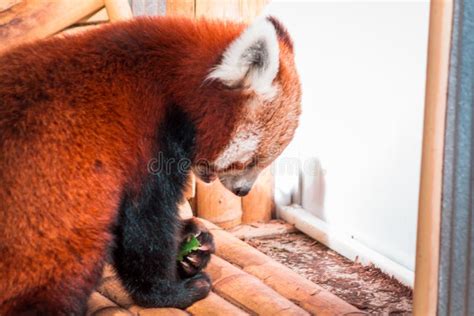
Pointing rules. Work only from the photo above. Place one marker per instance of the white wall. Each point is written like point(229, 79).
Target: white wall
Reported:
point(362, 66)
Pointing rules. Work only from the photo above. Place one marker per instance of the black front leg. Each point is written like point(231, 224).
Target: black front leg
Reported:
point(145, 257)
point(149, 230)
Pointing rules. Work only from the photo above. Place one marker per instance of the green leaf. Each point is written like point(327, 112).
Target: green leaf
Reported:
point(191, 245)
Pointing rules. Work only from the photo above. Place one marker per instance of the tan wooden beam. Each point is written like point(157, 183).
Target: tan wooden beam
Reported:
point(429, 214)
point(78, 29)
point(247, 291)
point(24, 21)
point(160, 311)
point(181, 7)
point(184, 210)
point(249, 9)
point(118, 10)
point(259, 230)
point(190, 190)
point(112, 288)
point(258, 205)
point(228, 9)
point(100, 16)
point(214, 305)
point(217, 204)
point(99, 305)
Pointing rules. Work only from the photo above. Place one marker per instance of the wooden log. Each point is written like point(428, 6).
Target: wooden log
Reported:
point(425, 300)
point(108, 271)
point(141, 311)
point(214, 305)
point(190, 190)
point(243, 10)
point(283, 280)
point(100, 16)
point(229, 9)
point(249, 9)
point(24, 21)
point(256, 230)
point(118, 10)
point(112, 288)
point(180, 7)
point(248, 292)
point(185, 210)
point(217, 204)
point(78, 29)
point(99, 305)
point(258, 205)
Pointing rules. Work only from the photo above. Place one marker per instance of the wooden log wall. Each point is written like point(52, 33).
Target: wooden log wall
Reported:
point(22, 21)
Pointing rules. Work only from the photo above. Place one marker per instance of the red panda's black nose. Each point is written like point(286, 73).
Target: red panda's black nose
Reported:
point(241, 191)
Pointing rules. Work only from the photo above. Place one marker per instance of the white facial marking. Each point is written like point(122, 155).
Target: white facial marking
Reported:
point(252, 59)
point(240, 149)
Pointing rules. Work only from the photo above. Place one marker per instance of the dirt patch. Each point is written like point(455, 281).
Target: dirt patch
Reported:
point(365, 287)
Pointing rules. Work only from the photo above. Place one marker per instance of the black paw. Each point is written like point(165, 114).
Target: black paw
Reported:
point(193, 289)
point(179, 295)
point(198, 286)
point(196, 261)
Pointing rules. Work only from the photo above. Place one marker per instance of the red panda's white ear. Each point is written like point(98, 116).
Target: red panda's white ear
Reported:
point(252, 60)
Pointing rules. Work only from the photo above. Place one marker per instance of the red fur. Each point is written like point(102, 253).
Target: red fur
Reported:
point(77, 116)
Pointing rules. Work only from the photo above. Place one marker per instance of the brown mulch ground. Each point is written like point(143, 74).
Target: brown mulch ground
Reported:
point(365, 287)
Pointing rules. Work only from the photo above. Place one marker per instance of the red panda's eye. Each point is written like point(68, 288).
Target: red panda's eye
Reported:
point(253, 163)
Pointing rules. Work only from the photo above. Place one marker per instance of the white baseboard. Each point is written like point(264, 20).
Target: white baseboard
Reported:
point(343, 244)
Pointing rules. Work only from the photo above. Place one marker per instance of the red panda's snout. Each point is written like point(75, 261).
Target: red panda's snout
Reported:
point(239, 182)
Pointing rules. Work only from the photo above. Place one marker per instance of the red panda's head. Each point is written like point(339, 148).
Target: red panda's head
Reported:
point(258, 66)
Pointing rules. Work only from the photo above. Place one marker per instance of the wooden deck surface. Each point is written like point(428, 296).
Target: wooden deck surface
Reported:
point(245, 282)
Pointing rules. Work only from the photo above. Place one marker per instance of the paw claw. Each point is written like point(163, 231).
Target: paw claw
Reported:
point(193, 258)
point(186, 265)
point(204, 248)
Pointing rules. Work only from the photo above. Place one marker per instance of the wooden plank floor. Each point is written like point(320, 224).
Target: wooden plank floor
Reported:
point(245, 282)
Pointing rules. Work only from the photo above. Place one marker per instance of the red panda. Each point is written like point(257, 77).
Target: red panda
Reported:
point(82, 117)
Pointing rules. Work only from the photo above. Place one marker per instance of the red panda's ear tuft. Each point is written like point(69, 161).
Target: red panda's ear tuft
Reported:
point(281, 31)
point(252, 60)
